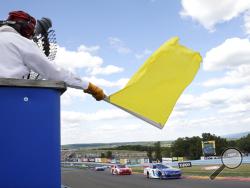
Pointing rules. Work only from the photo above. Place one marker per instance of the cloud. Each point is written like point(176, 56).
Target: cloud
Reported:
point(189, 102)
point(215, 111)
point(83, 59)
point(90, 49)
point(145, 53)
point(233, 57)
point(221, 100)
point(101, 133)
point(230, 54)
point(211, 12)
point(247, 22)
point(120, 83)
point(110, 69)
point(124, 131)
point(239, 76)
point(118, 45)
point(214, 124)
point(72, 117)
point(72, 60)
point(238, 102)
point(70, 95)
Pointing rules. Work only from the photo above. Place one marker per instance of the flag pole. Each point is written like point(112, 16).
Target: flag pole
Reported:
point(158, 125)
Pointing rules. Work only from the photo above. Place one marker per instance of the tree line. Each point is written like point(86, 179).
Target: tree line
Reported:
point(191, 148)
point(188, 147)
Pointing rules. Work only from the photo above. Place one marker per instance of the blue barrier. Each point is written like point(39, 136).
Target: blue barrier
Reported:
point(30, 133)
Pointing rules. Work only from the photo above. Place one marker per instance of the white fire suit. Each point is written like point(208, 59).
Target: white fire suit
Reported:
point(19, 55)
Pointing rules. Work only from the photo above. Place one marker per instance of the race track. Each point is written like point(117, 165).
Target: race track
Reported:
point(91, 179)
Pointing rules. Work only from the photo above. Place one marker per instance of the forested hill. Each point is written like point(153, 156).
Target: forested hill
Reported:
point(113, 145)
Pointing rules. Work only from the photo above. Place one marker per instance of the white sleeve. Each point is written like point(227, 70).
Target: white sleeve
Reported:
point(36, 60)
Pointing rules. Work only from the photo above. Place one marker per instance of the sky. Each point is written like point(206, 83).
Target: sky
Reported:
point(106, 41)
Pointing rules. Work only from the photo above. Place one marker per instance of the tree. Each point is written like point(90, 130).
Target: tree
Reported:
point(109, 154)
point(187, 147)
point(102, 155)
point(194, 145)
point(207, 137)
point(232, 143)
point(157, 150)
point(166, 152)
point(179, 147)
point(244, 144)
point(149, 154)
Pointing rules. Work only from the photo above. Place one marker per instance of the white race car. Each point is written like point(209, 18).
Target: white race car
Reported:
point(161, 171)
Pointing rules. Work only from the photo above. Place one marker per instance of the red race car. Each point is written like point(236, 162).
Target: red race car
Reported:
point(119, 169)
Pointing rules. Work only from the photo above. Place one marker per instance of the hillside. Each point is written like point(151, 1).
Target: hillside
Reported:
point(235, 136)
point(143, 143)
point(112, 145)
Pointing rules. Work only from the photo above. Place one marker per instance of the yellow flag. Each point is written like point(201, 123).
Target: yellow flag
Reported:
point(154, 89)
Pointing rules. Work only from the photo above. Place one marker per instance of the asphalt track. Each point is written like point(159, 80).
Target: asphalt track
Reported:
point(91, 179)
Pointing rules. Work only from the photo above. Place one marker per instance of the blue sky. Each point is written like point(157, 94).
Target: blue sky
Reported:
point(107, 41)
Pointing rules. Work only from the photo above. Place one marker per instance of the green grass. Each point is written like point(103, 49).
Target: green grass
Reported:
point(242, 171)
point(138, 169)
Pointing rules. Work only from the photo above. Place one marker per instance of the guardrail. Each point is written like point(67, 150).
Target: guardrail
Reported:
point(246, 160)
point(84, 163)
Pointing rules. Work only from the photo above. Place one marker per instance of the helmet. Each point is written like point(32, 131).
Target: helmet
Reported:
point(26, 23)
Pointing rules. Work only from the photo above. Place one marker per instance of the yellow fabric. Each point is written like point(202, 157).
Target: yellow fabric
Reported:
point(154, 89)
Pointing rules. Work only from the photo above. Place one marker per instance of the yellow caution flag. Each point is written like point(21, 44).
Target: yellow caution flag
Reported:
point(154, 89)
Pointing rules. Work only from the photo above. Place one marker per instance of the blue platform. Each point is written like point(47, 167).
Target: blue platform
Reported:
point(30, 134)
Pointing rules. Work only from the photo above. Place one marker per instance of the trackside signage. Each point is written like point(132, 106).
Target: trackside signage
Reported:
point(184, 164)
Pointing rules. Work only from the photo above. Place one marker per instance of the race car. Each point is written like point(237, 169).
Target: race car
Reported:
point(99, 168)
point(160, 171)
point(119, 169)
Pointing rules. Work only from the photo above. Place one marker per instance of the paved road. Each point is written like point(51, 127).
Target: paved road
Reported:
point(91, 179)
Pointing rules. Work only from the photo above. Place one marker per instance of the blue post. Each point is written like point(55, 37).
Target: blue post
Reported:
point(30, 134)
